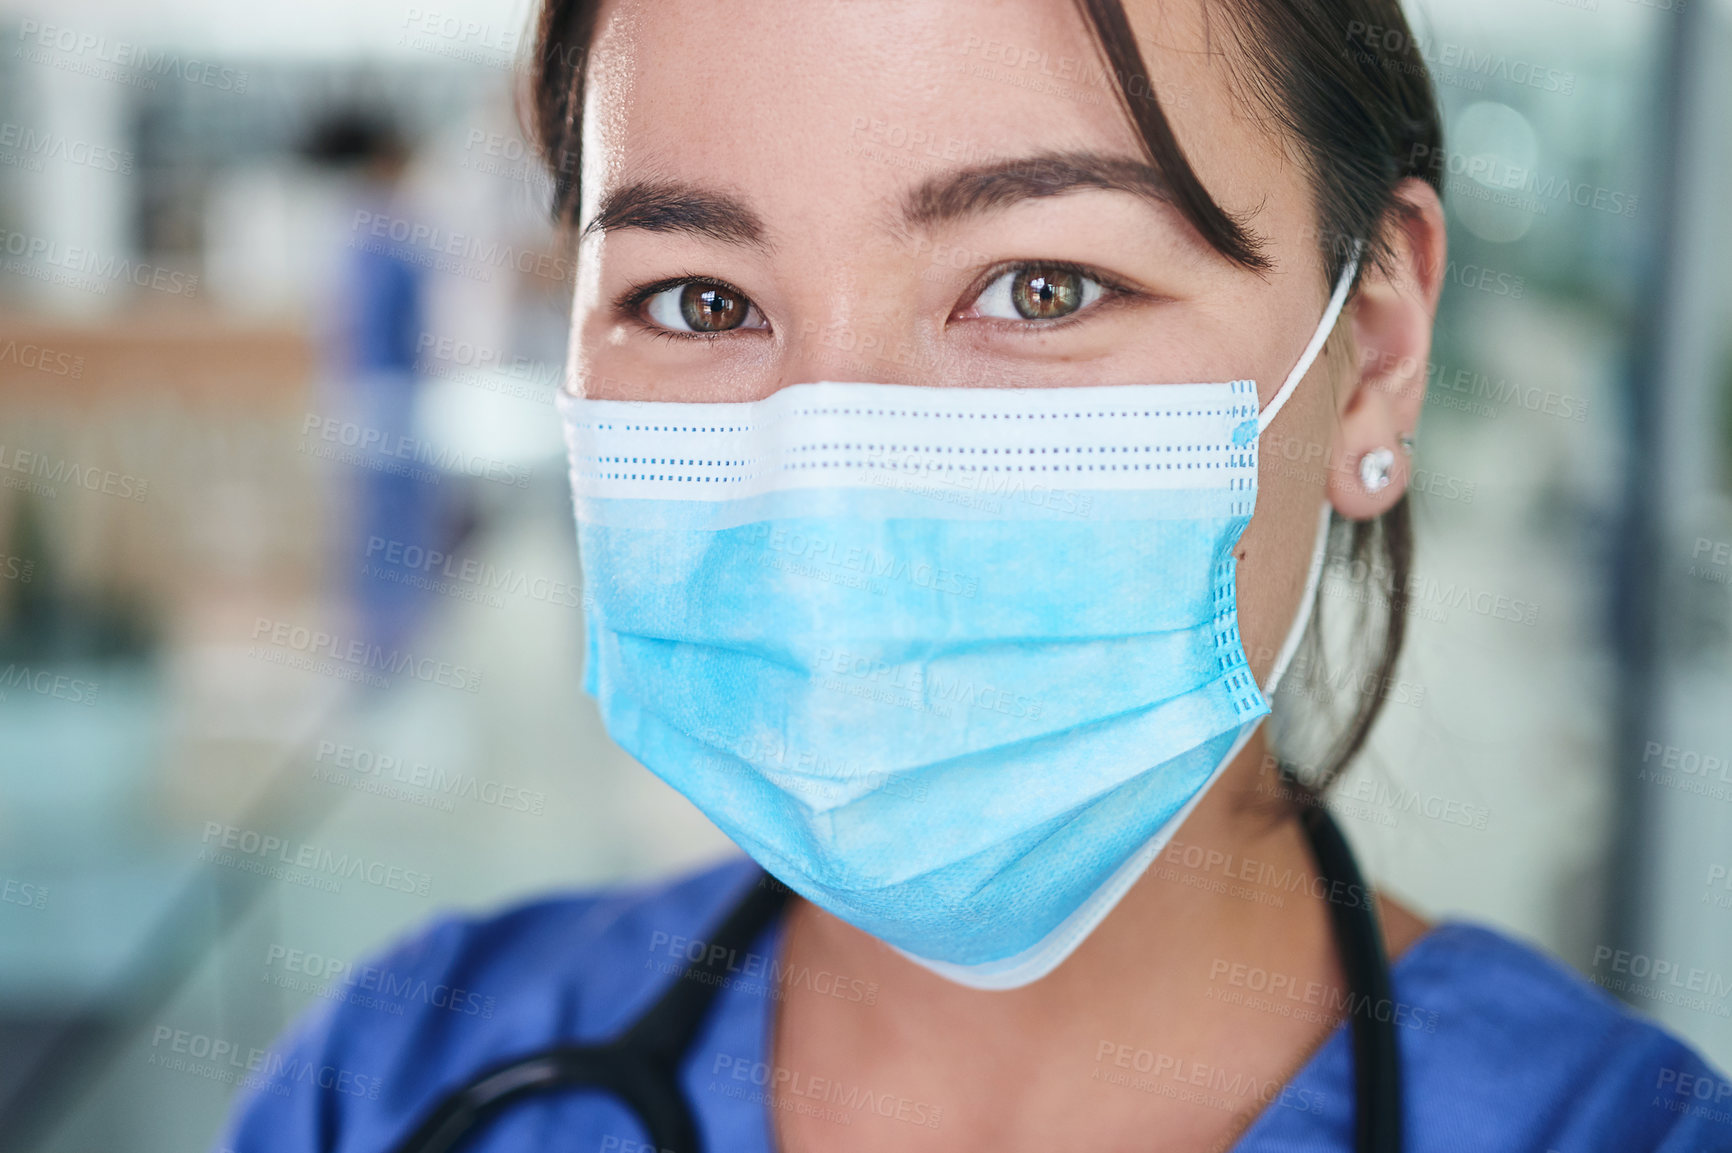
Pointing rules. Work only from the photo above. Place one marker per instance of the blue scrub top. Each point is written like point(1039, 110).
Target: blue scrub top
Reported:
point(1503, 1049)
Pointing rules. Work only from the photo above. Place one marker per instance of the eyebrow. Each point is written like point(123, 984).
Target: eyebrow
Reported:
point(985, 187)
point(674, 206)
point(679, 207)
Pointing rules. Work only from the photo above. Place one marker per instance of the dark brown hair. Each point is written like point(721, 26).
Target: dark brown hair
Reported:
point(1342, 80)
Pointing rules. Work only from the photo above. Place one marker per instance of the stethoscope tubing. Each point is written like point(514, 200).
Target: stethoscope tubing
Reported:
point(641, 1065)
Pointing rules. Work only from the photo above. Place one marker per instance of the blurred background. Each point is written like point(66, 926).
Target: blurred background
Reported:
point(290, 620)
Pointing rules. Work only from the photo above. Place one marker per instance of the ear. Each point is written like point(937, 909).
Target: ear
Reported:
point(1391, 316)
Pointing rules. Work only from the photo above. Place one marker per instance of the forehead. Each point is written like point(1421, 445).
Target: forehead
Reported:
point(860, 99)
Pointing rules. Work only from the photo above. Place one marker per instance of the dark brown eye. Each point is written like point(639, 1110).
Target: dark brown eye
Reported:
point(1034, 292)
point(700, 306)
point(709, 308)
point(1046, 294)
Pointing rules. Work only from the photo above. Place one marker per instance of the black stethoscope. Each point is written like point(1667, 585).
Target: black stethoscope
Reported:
point(641, 1065)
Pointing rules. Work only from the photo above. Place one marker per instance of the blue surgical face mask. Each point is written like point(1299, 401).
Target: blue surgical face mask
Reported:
point(953, 663)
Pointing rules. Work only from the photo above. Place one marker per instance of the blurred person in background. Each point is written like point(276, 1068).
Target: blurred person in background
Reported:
point(963, 728)
point(371, 322)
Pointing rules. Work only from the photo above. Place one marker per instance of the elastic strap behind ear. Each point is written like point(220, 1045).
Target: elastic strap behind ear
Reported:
point(1318, 339)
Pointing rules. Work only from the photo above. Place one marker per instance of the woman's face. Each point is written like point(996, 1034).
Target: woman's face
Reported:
point(946, 193)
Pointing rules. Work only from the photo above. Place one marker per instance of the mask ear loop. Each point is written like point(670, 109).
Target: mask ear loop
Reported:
point(1314, 574)
point(1324, 328)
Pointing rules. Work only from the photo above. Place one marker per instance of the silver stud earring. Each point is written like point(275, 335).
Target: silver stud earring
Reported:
point(1406, 442)
point(1374, 470)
